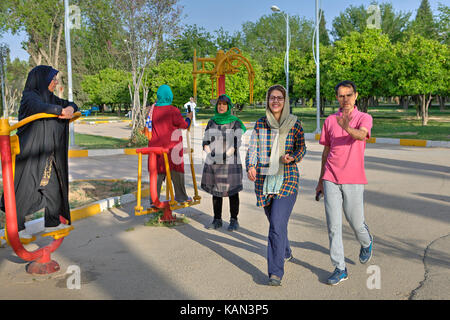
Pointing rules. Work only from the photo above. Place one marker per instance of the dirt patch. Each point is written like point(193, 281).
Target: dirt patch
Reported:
point(83, 192)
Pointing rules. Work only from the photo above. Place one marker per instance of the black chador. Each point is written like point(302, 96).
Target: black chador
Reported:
point(41, 177)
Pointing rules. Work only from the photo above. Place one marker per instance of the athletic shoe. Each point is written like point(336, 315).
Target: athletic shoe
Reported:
point(274, 281)
point(365, 254)
point(290, 258)
point(61, 226)
point(23, 234)
point(337, 276)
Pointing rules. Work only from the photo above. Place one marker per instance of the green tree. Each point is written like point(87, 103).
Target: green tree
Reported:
point(355, 59)
point(16, 75)
point(182, 47)
point(324, 38)
point(144, 23)
point(444, 23)
point(354, 19)
point(43, 23)
point(108, 86)
point(267, 36)
point(424, 23)
point(418, 67)
point(225, 41)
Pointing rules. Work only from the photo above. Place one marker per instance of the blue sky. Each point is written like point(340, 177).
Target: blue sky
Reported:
point(230, 14)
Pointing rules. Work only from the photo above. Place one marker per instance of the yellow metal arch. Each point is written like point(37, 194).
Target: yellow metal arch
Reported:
point(224, 63)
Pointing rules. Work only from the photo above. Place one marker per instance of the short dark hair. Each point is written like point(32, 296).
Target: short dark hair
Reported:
point(345, 83)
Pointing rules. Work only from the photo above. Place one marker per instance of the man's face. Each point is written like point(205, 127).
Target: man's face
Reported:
point(346, 97)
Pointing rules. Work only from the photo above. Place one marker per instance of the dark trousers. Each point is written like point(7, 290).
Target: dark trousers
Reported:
point(53, 200)
point(278, 213)
point(234, 206)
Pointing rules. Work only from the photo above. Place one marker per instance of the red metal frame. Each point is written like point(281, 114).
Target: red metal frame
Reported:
point(165, 205)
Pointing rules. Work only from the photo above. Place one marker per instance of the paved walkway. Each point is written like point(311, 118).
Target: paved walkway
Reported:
point(407, 209)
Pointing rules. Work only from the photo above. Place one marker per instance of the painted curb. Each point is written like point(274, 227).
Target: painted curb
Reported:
point(37, 225)
point(399, 142)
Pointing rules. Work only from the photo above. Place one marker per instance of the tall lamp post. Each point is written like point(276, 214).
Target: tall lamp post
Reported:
point(68, 24)
point(3, 54)
point(317, 60)
point(288, 44)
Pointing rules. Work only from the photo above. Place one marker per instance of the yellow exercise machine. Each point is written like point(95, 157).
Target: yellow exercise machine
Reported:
point(41, 262)
point(170, 204)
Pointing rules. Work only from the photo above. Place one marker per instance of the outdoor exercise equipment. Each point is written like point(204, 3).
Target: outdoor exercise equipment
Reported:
point(169, 204)
point(223, 63)
point(40, 259)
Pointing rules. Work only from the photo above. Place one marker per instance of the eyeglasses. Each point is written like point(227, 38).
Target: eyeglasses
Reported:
point(348, 96)
point(275, 98)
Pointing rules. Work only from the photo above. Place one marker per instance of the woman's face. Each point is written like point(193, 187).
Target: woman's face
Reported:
point(52, 85)
point(276, 102)
point(222, 107)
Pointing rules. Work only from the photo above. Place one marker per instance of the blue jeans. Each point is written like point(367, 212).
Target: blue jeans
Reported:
point(347, 198)
point(278, 213)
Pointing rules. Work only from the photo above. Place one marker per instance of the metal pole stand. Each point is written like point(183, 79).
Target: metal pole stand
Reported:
point(44, 265)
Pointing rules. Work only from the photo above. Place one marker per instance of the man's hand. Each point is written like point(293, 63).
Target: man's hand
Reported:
point(344, 120)
point(189, 115)
point(319, 187)
point(66, 113)
point(251, 174)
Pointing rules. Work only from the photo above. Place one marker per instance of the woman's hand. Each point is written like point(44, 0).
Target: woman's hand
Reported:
point(287, 159)
point(251, 174)
point(66, 113)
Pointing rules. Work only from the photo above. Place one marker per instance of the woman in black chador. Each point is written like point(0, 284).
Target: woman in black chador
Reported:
point(41, 177)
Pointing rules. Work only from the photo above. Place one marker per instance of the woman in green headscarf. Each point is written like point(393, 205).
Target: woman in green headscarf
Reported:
point(222, 173)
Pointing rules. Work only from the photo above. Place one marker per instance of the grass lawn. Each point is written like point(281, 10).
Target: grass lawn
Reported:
point(89, 141)
point(388, 121)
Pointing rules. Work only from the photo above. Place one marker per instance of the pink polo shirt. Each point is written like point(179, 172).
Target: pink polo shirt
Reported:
point(345, 163)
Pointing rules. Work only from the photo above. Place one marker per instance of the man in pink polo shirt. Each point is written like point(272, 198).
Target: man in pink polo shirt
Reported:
point(342, 176)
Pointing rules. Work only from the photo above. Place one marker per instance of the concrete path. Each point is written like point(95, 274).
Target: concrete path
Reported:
point(407, 206)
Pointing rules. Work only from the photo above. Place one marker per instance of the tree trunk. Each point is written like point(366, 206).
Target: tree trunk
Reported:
point(417, 104)
point(363, 104)
point(322, 106)
point(441, 102)
point(425, 103)
point(404, 100)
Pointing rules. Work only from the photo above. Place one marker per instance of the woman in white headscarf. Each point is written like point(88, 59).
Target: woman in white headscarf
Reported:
point(277, 144)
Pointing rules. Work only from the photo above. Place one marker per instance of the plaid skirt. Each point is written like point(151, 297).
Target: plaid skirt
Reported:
point(222, 180)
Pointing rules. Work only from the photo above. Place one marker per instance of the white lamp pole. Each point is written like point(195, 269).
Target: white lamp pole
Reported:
point(67, 26)
point(286, 60)
point(318, 129)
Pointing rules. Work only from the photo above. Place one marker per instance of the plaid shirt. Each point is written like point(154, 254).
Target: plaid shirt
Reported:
point(295, 146)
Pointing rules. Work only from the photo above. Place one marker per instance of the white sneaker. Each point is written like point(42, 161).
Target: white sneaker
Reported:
point(61, 226)
point(23, 234)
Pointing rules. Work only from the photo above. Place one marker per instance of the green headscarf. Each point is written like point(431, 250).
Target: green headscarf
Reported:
point(227, 117)
point(164, 96)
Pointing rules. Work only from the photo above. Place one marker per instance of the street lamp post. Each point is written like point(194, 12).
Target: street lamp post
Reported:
point(288, 43)
point(67, 27)
point(317, 60)
point(3, 54)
